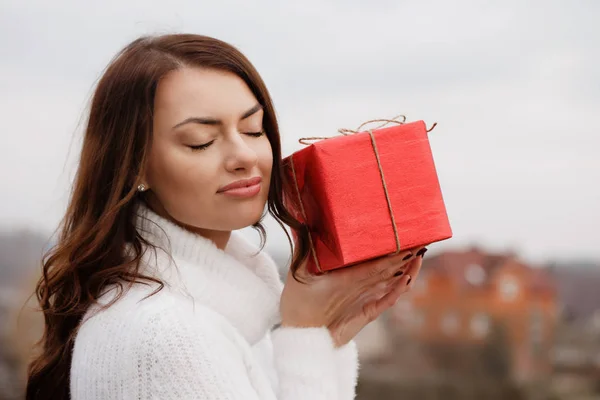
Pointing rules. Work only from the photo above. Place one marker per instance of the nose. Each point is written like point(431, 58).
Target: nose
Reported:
point(240, 156)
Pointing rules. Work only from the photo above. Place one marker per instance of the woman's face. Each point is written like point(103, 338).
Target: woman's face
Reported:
point(208, 134)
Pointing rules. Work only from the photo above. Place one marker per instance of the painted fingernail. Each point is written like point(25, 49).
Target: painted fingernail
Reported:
point(422, 252)
point(399, 273)
point(407, 257)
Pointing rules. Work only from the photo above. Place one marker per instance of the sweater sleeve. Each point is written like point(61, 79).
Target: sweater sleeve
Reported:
point(305, 361)
point(181, 358)
point(347, 366)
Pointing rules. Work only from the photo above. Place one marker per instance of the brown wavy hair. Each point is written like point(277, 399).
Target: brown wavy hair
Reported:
point(99, 220)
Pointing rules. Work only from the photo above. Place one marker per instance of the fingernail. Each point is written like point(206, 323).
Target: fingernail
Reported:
point(407, 257)
point(399, 273)
point(422, 252)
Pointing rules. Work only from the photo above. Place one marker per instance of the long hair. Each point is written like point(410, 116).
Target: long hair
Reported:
point(100, 220)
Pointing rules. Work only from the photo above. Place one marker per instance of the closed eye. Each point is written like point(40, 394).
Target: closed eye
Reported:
point(206, 145)
point(255, 134)
point(201, 146)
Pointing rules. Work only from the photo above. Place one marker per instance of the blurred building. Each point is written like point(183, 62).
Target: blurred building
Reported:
point(576, 353)
point(475, 312)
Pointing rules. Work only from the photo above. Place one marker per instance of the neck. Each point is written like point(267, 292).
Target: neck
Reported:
point(219, 238)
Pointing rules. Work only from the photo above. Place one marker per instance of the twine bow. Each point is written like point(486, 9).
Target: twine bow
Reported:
point(395, 120)
point(346, 132)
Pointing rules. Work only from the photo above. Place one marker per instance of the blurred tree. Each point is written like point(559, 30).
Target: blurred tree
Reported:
point(496, 358)
point(20, 254)
point(22, 326)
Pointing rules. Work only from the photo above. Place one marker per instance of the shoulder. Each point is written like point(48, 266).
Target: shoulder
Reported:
point(138, 321)
point(153, 345)
point(143, 305)
point(162, 331)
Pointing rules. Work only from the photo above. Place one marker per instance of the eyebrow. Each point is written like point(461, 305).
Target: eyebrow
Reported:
point(214, 121)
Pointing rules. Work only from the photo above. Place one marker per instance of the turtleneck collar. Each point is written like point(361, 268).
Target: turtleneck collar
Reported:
point(240, 283)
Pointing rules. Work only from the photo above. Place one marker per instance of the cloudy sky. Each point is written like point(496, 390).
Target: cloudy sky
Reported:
point(514, 86)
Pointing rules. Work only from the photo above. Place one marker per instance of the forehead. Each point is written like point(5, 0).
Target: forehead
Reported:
point(201, 92)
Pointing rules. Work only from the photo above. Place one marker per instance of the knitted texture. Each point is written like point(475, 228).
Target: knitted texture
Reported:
point(207, 334)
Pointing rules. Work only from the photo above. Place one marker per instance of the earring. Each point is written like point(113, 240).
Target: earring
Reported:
point(141, 187)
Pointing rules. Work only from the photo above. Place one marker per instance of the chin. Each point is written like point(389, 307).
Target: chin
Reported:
point(245, 219)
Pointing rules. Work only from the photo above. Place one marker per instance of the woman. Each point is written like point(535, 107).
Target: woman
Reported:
point(149, 293)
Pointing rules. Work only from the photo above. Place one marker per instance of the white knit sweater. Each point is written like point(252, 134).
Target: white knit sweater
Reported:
point(207, 334)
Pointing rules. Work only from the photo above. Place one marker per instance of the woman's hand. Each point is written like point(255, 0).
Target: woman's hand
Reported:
point(347, 300)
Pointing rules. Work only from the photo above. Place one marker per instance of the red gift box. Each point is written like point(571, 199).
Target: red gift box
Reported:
point(366, 194)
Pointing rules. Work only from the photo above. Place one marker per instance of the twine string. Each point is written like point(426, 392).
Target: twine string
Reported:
point(312, 246)
point(385, 190)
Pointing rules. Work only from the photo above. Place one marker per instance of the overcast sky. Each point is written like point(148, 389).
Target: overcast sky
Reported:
point(514, 87)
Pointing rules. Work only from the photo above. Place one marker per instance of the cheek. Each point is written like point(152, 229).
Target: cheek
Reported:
point(181, 174)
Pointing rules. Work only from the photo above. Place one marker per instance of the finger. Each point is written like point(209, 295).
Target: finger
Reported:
point(391, 298)
point(414, 268)
point(398, 286)
point(380, 269)
point(376, 291)
point(405, 267)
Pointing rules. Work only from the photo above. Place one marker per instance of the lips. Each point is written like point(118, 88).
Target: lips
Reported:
point(243, 183)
